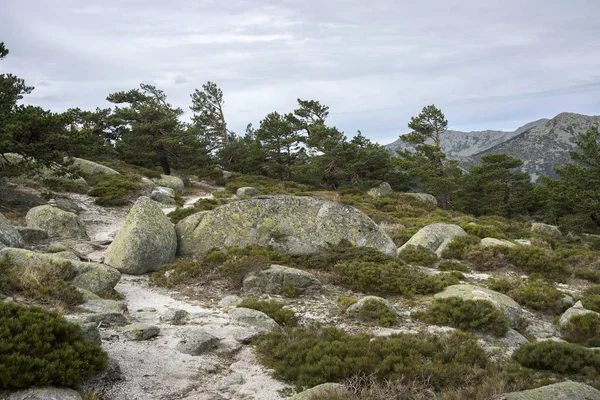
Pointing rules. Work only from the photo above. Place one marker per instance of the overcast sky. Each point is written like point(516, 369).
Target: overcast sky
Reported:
point(488, 64)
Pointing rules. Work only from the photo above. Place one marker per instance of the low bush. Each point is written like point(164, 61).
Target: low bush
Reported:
point(459, 246)
point(310, 356)
point(50, 285)
point(504, 285)
point(591, 302)
point(418, 255)
point(452, 266)
point(373, 311)
point(559, 357)
point(467, 315)
point(38, 348)
point(487, 258)
point(273, 309)
point(390, 278)
point(342, 253)
point(181, 213)
point(540, 296)
point(64, 185)
point(588, 274)
point(483, 231)
point(583, 329)
point(113, 190)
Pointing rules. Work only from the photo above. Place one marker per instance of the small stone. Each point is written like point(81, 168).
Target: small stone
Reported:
point(245, 192)
point(245, 335)
point(230, 301)
point(139, 332)
point(175, 317)
point(197, 342)
point(231, 380)
point(46, 393)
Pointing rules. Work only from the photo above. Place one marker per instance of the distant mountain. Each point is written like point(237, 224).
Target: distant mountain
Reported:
point(544, 146)
point(464, 144)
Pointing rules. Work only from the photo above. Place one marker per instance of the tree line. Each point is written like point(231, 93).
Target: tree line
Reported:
point(143, 128)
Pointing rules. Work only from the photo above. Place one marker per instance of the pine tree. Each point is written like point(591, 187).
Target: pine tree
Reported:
point(209, 117)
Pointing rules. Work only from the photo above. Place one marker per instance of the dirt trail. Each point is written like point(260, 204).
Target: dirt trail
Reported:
point(155, 369)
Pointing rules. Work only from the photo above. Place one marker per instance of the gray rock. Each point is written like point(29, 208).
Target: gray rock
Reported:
point(282, 280)
point(574, 311)
point(67, 205)
point(97, 278)
point(57, 222)
point(244, 335)
point(227, 174)
point(291, 225)
point(513, 339)
point(18, 199)
point(172, 182)
point(230, 301)
point(9, 235)
point(257, 319)
point(46, 393)
point(197, 342)
point(523, 242)
point(31, 235)
point(511, 310)
point(146, 241)
point(493, 242)
point(175, 317)
point(139, 332)
point(82, 249)
point(321, 391)
point(383, 189)
point(435, 237)
point(423, 197)
point(245, 192)
point(107, 312)
point(92, 168)
point(66, 255)
point(355, 309)
point(557, 391)
point(229, 381)
point(163, 195)
point(545, 229)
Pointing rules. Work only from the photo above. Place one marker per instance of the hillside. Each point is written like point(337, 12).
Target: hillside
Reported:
point(458, 143)
point(545, 146)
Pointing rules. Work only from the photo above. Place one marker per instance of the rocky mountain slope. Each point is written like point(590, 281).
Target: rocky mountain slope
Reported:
point(458, 143)
point(545, 146)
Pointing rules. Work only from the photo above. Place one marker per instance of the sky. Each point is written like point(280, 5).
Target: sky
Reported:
point(487, 64)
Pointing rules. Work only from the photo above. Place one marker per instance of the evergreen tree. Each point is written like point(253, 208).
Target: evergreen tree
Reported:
point(494, 187)
point(280, 140)
point(208, 118)
point(428, 165)
point(244, 154)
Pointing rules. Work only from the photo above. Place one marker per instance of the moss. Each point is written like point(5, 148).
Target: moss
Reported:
point(418, 256)
point(274, 309)
point(40, 348)
point(468, 315)
point(310, 356)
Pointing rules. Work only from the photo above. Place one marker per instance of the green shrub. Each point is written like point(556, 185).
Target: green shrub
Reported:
point(458, 247)
point(588, 274)
point(390, 278)
point(453, 266)
point(504, 285)
point(534, 260)
point(310, 356)
point(539, 296)
point(38, 348)
point(113, 190)
point(180, 213)
point(467, 315)
point(418, 255)
point(342, 253)
point(183, 271)
point(373, 311)
point(51, 285)
point(559, 357)
point(64, 185)
point(591, 302)
point(483, 231)
point(273, 309)
point(487, 258)
point(583, 329)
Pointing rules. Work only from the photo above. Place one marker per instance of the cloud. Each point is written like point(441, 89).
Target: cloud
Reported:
point(488, 65)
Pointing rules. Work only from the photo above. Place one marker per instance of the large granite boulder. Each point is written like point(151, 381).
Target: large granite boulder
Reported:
point(97, 278)
point(57, 222)
point(574, 311)
point(45, 393)
point(423, 197)
point(558, 391)
point(92, 168)
point(146, 241)
point(435, 237)
point(257, 319)
point(282, 280)
point(291, 225)
point(20, 199)
point(163, 195)
point(545, 229)
point(172, 182)
point(493, 242)
point(510, 308)
point(30, 235)
point(9, 235)
point(381, 190)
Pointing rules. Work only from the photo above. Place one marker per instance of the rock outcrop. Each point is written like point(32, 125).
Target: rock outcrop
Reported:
point(30, 235)
point(381, 190)
point(92, 168)
point(197, 342)
point(146, 241)
point(282, 280)
point(9, 235)
point(291, 225)
point(245, 192)
point(510, 308)
point(435, 237)
point(557, 391)
point(424, 197)
point(163, 195)
point(574, 311)
point(172, 182)
point(367, 304)
point(545, 229)
point(57, 222)
point(493, 242)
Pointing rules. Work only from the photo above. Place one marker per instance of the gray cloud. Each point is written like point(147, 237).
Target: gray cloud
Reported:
point(488, 65)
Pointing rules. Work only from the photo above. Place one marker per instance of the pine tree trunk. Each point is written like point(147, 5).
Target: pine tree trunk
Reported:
point(444, 198)
point(164, 163)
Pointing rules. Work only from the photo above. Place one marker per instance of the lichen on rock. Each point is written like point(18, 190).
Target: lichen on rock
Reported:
point(57, 222)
